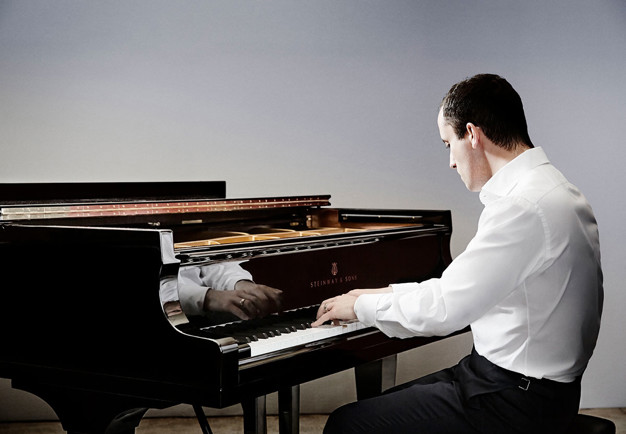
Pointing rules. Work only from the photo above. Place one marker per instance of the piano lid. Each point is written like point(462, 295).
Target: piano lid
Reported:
point(21, 194)
point(19, 202)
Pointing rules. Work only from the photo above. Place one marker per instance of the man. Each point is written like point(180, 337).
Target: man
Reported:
point(529, 284)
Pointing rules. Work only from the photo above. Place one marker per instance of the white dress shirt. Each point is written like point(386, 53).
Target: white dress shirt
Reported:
point(529, 282)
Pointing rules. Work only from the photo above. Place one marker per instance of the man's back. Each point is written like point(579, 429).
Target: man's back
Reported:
point(550, 321)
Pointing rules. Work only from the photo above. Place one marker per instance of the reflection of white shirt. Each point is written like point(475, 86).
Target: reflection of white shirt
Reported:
point(529, 283)
point(194, 281)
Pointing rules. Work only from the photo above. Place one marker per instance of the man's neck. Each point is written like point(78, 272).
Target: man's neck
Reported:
point(499, 157)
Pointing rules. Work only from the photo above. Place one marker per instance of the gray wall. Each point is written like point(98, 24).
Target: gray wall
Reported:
point(325, 96)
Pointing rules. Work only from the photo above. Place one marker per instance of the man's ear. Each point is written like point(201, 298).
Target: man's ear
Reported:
point(473, 133)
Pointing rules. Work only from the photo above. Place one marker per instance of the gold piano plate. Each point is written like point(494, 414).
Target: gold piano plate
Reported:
point(273, 235)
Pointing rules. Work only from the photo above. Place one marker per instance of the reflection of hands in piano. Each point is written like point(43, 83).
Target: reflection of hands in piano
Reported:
point(248, 300)
point(341, 308)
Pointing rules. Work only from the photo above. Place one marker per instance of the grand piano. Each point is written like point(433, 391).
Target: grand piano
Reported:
point(92, 323)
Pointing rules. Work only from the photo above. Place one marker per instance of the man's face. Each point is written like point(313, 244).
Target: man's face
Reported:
point(469, 161)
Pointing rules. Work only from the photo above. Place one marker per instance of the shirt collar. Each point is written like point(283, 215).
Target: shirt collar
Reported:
point(505, 179)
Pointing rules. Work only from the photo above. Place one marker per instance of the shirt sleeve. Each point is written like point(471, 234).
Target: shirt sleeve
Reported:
point(224, 275)
point(194, 282)
point(191, 290)
point(509, 246)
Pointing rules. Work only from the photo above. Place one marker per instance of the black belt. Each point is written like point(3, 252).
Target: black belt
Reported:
point(491, 377)
point(543, 384)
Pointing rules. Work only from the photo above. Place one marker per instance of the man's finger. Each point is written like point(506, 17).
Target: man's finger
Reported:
point(321, 320)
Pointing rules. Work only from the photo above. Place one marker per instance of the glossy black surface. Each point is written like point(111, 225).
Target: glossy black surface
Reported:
point(83, 326)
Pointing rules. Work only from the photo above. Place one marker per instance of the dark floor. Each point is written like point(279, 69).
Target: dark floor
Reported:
point(309, 424)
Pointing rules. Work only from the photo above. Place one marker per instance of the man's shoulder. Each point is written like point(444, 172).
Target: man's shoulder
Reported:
point(539, 183)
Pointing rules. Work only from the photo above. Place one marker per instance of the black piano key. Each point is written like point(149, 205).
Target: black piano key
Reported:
point(247, 337)
point(286, 328)
point(264, 328)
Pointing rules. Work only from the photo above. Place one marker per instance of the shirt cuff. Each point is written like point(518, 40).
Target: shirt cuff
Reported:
point(365, 308)
point(192, 299)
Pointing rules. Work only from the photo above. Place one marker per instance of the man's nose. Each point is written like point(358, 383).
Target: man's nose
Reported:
point(452, 162)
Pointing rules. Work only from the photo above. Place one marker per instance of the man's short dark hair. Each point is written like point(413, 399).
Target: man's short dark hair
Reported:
point(489, 102)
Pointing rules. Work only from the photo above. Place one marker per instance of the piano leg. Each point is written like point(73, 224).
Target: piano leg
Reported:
point(289, 410)
point(254, 412)
point(373, 378)
point(254, 415)
point(204, 423)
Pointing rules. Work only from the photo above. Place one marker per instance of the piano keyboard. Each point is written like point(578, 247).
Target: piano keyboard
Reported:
point(279, 332)
point(302, 337)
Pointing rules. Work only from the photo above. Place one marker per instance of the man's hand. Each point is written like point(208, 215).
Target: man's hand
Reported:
point(248, 300)
point(336, 309)
point(341, 308)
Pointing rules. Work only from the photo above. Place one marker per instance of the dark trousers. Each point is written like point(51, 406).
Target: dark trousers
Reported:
point(474, 396)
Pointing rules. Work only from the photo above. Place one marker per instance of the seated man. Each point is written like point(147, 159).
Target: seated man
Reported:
point(529, 284)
